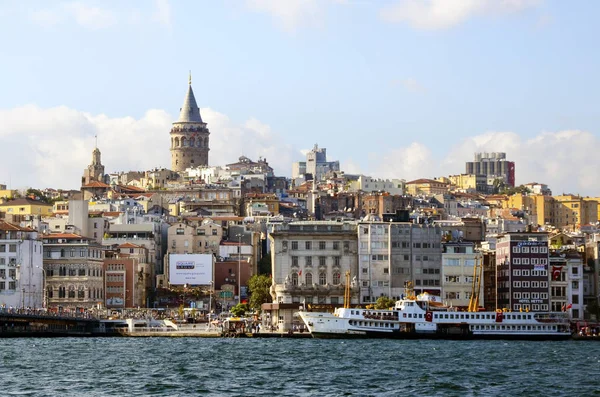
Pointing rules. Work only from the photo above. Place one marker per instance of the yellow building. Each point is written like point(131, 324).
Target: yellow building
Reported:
point(26, 206)
point(469, 182)
point(597, 200)
point(6, 194)
point(566, 211)
point(426, 186)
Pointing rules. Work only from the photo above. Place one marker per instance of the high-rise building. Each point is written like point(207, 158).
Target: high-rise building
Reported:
point(189, 136)
point(316, 165)
point(522, 272)
point(492, 165)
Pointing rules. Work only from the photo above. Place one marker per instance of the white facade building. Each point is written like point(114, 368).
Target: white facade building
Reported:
point(21, 267)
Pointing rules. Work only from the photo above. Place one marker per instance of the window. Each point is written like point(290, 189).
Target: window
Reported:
point(294, 261)
point(180, 231)
point(322, 261)
point(336, 261)
point(575, 270)
point(294, 278)
point(322, 278)
point(214, 232)
point(71, 292)
point(12, 248)
point(308, 261)
point(12, 273)
point(322, 245)
point(81, 273)
point(308, 245)
point(308, 279)
point(200, 232)
point(525, 250)
point(336, 278)
point(2, 273)
point(336, 245)
point(365, 270)
point(294, 245)
point(12, 285)
point(575, 299)
point(81, 293)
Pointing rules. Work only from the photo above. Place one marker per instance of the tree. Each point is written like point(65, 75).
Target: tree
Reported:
point(264, 264)
point(384, 302)
point(260, 287)
point(240, 309)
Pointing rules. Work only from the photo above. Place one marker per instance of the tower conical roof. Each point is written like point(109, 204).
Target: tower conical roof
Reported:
point(190, 113)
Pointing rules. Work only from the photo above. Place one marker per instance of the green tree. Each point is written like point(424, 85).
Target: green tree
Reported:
point(264, 264)
point(259, 286)
point(37, 194)
point(383, 303)
point(240, 309)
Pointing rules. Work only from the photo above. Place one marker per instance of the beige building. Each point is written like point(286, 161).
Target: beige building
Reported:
point(195, 237)
point(74, 271)
point(427, 187)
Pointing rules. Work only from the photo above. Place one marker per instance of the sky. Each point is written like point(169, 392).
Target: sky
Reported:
point(392, 88)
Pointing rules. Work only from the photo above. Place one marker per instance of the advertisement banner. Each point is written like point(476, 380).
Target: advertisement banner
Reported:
point(192, 269)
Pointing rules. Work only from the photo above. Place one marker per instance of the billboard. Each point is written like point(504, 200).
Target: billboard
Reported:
point(193, 269)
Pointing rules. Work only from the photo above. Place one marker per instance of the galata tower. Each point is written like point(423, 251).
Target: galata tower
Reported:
point(189, 136)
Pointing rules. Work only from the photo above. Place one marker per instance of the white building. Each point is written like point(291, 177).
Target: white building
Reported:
point(368, 184)
point(390, 254)
point(21, 267)
point(458, 262)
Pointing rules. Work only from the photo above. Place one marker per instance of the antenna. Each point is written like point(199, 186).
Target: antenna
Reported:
point(190, 78)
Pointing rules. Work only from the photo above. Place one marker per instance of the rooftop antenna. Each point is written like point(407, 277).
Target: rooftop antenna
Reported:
point(190, 78)
point(96, 136)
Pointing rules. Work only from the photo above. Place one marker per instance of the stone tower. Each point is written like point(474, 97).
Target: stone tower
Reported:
point(189, 136)
point(94, 171)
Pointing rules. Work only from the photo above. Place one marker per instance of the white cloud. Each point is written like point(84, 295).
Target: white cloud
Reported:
point(565, 160)
point(162, 13)
point(51, 147)
point(442, 14)
point(290, 14)
point(411, 85)
point(95, 17)
point(89, 16)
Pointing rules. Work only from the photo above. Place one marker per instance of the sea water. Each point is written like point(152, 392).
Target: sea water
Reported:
point(296, 367)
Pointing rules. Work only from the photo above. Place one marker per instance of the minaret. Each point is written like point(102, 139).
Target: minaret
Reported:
point(189, 135)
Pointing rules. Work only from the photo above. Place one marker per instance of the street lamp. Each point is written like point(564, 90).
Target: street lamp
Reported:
point(45, 286)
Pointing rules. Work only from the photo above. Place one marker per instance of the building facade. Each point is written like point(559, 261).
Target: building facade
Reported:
point(74, 271)
point(522, 261)
point(493, 165)
point(21, 269)
point(391, 254)
point(459, 260)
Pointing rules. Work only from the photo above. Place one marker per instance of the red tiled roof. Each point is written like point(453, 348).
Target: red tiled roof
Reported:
point(96, 184)
point(128, 245)
point(9, 227)
point(65, 236)
point(24, 201)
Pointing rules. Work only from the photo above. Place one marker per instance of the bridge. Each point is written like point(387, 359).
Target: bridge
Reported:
point(20, 323)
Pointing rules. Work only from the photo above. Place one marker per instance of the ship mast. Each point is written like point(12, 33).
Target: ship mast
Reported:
point(476, 285)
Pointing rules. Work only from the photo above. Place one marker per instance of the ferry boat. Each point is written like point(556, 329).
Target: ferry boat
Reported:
point(425, 316)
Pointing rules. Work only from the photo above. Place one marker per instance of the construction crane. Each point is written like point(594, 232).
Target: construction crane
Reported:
point(476, 285)
point(347, 292)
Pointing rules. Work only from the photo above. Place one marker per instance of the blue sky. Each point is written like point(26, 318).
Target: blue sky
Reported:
point(401, 89)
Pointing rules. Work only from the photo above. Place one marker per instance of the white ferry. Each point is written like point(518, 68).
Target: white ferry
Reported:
point(424, 316)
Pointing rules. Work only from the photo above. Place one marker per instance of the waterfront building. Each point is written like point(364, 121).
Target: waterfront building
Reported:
point(523, 278)
point(74, 271)
point(459, 260)
point(566, 282)
point(391, 254)
point(493, 165)
point(21, 267)
point(127, 277)
point(189, 136)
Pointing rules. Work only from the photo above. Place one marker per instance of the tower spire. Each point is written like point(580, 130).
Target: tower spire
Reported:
point(190, 78)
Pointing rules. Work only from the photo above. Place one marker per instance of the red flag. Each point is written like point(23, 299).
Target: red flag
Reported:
point(556, 272)
point(499, 317)
point(569, 306)
point(300, 272)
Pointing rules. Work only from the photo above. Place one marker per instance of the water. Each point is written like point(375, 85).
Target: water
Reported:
point(295, 367)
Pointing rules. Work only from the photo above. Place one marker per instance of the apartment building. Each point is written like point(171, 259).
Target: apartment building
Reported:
point(390, 254)
point(21, 267)
point(522, 261)
point(459, 263)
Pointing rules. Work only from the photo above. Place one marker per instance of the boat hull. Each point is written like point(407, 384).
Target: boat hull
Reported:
point(417, 335)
